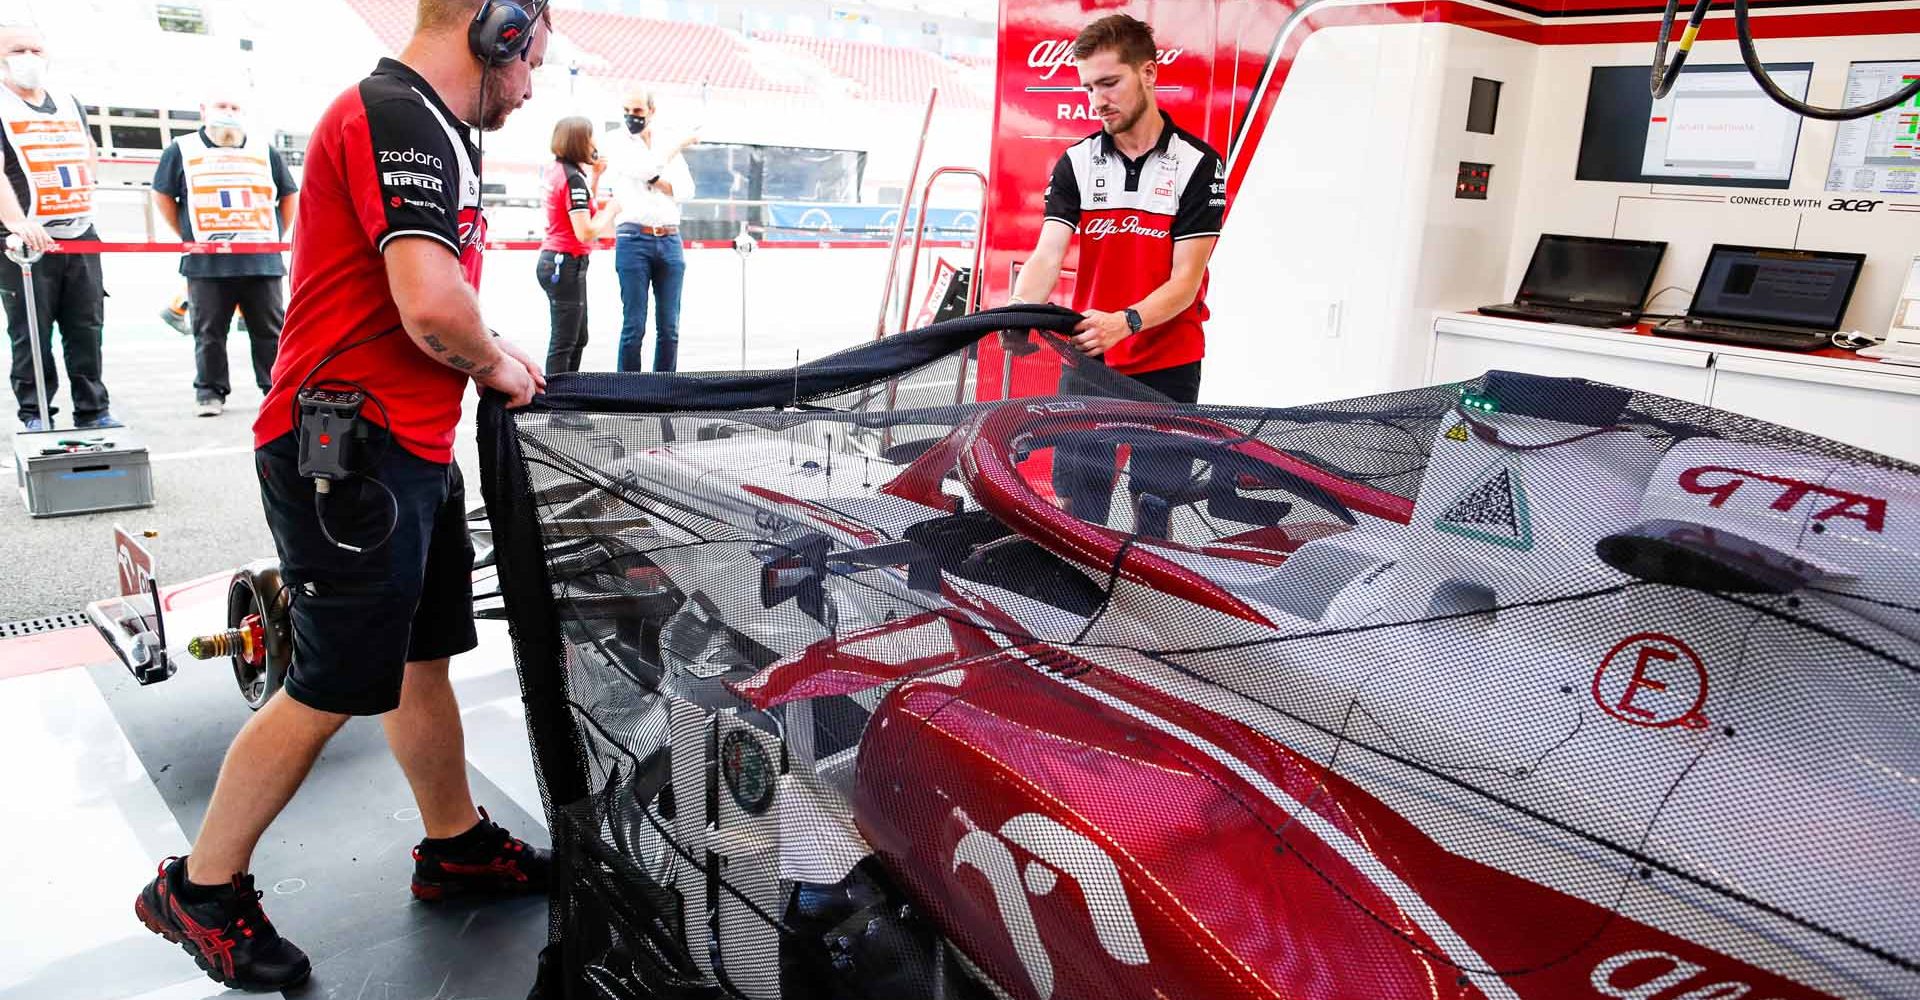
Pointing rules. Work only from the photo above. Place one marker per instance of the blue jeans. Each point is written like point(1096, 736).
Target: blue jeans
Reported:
point(641, 260)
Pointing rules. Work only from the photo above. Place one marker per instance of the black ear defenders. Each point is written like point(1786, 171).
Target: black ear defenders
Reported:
point(502, 30)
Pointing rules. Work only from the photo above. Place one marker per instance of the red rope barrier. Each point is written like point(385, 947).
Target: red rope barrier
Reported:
point(103, 246)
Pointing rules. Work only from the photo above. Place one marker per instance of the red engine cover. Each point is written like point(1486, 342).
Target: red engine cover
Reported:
point(1080, 834)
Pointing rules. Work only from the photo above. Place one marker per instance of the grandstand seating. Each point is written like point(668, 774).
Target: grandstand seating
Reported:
point(886, 72)
point(674, 53)
point(663, 52)
point(391, 20)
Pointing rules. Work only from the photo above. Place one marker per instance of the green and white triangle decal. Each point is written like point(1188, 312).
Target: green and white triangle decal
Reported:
point(1493, 509)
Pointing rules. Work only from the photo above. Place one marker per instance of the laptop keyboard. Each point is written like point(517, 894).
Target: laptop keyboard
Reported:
point(1747, 336)
point(1544, 314)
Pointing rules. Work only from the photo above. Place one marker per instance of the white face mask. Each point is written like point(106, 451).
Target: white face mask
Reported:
point(27, 71)
point(223, 118)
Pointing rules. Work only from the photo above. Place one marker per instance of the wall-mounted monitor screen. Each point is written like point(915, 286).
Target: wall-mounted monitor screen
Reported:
point(1714, 128)
point(1879, 153)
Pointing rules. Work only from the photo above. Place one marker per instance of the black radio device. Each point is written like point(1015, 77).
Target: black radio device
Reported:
point(330, 433)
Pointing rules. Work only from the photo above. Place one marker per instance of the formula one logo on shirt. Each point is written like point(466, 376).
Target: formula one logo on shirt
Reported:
point(408, 178)
point(1103, 227)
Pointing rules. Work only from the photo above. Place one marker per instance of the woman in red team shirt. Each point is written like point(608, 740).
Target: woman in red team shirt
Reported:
point(572, 229)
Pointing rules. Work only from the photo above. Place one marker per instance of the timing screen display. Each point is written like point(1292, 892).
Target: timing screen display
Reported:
point(1776, 287)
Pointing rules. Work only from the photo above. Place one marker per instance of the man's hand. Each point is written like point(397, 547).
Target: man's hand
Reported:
point(1097, 334)
point(512, 378)
point(33, 234)
point(513, 350)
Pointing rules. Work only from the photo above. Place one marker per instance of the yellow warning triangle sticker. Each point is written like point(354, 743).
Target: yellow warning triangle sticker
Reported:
point(1458, 433)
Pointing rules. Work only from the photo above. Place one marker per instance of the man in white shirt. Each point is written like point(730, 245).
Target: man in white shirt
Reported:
point(650, 182)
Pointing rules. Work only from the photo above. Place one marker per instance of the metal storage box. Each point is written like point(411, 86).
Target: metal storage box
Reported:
point(79, 472)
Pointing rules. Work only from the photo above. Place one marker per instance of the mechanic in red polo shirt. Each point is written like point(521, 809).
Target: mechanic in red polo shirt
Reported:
point(386, 263)
point(1145, 198)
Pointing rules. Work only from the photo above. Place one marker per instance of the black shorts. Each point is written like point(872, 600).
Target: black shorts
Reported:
point(360, 617)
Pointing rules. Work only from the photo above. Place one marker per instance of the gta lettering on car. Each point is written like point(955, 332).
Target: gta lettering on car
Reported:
point(1057, 851)
point(1653, 680)
point(1722, 483)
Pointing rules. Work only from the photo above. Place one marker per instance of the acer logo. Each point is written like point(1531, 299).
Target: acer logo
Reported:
point(1853, 205)
point(1100, 229)
point(1049, 55)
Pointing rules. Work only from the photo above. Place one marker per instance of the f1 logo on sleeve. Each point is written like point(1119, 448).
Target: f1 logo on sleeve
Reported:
point(1652, 680)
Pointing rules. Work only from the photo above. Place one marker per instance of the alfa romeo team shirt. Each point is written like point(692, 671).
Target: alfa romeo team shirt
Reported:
point(1129, 214)
point(387, 161)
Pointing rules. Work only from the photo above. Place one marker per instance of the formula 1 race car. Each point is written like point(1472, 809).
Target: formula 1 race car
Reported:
point(1516, 688)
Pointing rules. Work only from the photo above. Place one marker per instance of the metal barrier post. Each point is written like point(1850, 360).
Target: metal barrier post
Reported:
point(900, 223)
point(743, 245)
point(23, 255)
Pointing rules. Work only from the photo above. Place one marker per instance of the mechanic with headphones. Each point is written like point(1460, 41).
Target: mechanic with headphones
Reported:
point(354, 447)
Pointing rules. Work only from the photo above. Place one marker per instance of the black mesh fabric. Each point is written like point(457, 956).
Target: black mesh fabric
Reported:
point(841, 685)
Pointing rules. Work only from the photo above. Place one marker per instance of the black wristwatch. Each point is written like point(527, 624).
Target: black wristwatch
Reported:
point(1133, 320)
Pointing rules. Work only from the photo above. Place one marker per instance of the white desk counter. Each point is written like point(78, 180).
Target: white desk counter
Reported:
point(1831, 393)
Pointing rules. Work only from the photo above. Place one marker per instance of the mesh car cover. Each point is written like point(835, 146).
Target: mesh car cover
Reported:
point(842, 685)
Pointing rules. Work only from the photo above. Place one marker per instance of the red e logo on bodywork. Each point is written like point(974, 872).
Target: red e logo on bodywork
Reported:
point(1654, 680)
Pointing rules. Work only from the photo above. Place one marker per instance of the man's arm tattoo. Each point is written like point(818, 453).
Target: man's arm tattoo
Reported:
point(439, 346)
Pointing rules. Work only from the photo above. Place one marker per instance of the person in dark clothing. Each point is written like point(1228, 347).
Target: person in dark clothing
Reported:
point(221, 184)
point(572, 229)
point(385, 298)
point(50, 166)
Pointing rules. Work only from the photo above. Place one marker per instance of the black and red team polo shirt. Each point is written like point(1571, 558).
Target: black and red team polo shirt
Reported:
point(567, 192)
point(1129, 214)
point(387, 161)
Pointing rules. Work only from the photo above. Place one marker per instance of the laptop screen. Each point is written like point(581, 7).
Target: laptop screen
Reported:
point(1591, 272)
point(1808, 288)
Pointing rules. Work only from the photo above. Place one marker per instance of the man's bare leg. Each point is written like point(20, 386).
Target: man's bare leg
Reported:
point(268, 760)
point(427, 739)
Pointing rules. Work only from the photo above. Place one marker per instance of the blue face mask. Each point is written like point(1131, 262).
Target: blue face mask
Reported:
point(636, 124)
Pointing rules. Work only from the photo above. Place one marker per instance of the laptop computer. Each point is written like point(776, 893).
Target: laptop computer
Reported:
point(1787, 300)
point(1585, 281)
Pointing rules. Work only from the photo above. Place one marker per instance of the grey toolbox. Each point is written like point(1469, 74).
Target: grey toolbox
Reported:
point(79, 472)
point(72, 471)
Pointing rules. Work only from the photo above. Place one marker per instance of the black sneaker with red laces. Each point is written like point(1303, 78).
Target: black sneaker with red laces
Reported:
point(486, 860)
point(228, 934)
